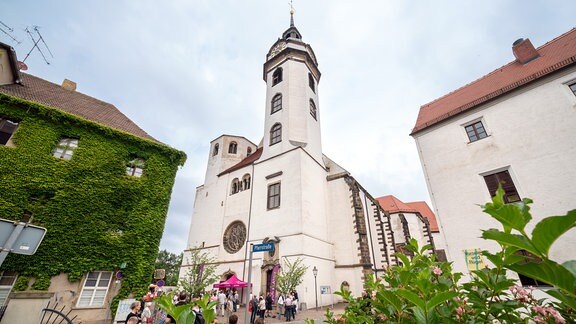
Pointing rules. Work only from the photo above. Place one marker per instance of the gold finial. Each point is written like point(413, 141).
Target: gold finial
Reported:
point(291, 8)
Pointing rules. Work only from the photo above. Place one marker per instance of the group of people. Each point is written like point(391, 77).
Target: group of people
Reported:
point(261, 307)
point(228, 302)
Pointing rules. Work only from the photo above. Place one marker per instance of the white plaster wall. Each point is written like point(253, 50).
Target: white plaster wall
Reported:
point(6, 76)
point(531, 133)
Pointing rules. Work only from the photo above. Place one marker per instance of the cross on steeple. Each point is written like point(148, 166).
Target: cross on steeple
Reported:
point(291, 14)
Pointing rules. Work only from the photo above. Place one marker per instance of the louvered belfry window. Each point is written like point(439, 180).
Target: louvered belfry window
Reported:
point(503, 178)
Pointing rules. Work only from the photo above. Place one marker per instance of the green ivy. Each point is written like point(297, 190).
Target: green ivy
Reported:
point(96, 216)
point(42, 283)
point(21, 284)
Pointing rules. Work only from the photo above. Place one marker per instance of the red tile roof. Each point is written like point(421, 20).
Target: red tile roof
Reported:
point(554, 56)
point(394, 205)
point(247, 161)
point(73, 102)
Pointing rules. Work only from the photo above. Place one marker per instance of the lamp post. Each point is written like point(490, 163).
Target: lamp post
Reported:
point(315, 272)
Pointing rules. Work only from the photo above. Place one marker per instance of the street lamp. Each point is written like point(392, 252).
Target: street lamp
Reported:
point(315, 272)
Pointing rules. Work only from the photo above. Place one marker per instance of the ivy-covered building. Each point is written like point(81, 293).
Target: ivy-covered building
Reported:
point(95, 180)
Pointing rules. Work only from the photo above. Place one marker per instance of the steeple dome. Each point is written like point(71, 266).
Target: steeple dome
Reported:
point(292, 32)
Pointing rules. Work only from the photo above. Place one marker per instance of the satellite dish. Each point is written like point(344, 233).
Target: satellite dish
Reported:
point(22, 66)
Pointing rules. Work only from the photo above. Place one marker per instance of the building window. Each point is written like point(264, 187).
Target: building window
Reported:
point(274, 195)
point(503, 178)
point(276, 134)
point(573, 88)
point(276, 103)
point(313, 110)
point(135, 168)
point(95, 289)
point(7, 128)
point(246, 182)
point(215, 151)
point(248, 151)
point(311, 82)
point(232, 148)
point(235, 186)
point(7, 280)
point(65, 148)
point(525, 280)
point(475, 131)
point(277, 76)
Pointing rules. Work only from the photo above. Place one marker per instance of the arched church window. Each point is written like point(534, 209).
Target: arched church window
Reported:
point(215, 151)
point(232, 148)
point(235, 186)
point(311, 82)
point(246, 182)
point(248, 151)
point(276, 103)
point(276, 134)
point(277, 76)
point(313, 110)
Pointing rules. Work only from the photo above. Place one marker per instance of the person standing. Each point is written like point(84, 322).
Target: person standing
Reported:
point(254, 306)
point(236, 300)
point(262, 307)
point(288, 307)
point(268, 302)
point(280, 305)
point(134, 309)
point(221, 302)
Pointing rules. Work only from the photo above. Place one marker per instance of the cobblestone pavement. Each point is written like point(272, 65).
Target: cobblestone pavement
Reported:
point(301, 316)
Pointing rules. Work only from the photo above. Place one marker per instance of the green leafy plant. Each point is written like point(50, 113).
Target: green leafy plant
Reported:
point(422, 290)
point(41, 283)
point(290, 275)
point(21, 283)
point(184, 313)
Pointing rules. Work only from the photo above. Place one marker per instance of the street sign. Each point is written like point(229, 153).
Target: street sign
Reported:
point(26, 242)
point(264, 247)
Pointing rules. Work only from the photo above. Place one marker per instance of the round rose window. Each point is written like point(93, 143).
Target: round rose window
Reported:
point(234, 237)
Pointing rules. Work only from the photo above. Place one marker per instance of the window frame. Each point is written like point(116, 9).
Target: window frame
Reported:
point(276, 103)
point(273, 196)
point(277, 76)
point(5, 287)
point(572, 87)
point(216, 149)
point(275, 134)
point(235, 186)
point(68, 145)
point(311, 82)
point(94, 289)
point(473, 131)
point(233, 148)
point(504, 177)
point(135, 167)
point(7, 124)
point(313, 110)
point(246, 179)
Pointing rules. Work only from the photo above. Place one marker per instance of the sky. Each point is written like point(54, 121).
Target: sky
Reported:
point(188, 71)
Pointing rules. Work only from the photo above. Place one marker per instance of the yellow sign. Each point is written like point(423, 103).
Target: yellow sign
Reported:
point(474, 259)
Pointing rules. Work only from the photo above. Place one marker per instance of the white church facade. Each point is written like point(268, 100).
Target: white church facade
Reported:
point(286, 191)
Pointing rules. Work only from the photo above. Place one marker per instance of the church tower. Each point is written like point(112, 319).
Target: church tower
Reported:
point(292, 109)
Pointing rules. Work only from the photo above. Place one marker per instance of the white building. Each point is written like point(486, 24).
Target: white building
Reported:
point(286, 191)
point(514, 126)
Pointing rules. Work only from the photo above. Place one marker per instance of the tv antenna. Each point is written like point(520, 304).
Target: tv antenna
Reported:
point(5, 27)
point(35, 46)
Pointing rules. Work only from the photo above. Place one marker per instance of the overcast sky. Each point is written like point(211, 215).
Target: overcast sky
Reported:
point(188, 71)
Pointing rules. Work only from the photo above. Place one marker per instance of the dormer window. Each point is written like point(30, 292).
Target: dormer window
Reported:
point(311, 82)
point(135, 168)
point(277, 76)
point(276, 103)
point(313, 110)
point(7, 128)
point(232, 148)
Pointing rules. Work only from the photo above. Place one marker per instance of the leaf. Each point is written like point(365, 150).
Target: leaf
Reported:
point(549, 229)
point(516, 240)
point(391, 298)
point(510, 216)
point(571, 266)
point(412, 297)
point(439, 299)
point(549, 272)
point(562, 297)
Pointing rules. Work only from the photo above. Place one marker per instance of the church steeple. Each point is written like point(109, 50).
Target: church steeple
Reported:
point(291, 32)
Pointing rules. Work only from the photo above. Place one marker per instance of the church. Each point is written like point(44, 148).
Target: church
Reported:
point(285, 191)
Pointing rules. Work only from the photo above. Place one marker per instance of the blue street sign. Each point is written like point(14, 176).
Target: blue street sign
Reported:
point(263, 247)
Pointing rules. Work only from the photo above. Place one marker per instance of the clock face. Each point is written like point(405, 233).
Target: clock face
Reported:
point(277, 49)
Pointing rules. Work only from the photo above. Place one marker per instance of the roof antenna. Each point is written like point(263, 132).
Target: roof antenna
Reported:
point(10, 29)
point(35, 46)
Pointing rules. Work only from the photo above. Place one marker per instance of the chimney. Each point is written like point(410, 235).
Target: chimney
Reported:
point(524, 51)
point(69, 85)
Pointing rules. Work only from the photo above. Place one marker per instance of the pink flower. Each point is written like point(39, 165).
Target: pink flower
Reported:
point(460, 310)
point(437, 271)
